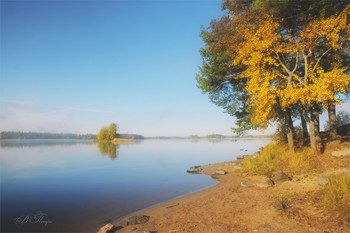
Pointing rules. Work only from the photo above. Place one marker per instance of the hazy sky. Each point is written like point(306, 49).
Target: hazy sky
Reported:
point(75, 66)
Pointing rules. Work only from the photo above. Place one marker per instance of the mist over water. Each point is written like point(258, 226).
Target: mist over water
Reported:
point(64, 185)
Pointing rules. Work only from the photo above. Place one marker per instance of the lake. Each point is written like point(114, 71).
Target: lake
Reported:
point(72, 185)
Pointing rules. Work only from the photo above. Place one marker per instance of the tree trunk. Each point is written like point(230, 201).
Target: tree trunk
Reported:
point(290, 129)
point(315, 117)
point(311, 124)
point(290, 141)
point(304, 126)
point(313, 142)
point(332, 121)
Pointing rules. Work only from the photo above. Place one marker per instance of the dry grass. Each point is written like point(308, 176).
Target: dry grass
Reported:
point(326, 205)
point(276, 156)
point(336, 193)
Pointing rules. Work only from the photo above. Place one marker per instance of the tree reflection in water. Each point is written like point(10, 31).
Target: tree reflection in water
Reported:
point(108, 148)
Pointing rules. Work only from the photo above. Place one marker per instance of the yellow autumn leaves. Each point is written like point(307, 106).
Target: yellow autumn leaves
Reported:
point(288, 67)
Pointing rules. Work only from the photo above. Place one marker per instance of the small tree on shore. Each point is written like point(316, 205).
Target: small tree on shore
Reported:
point(108, 134)
point(112, 131)
point(102, 135)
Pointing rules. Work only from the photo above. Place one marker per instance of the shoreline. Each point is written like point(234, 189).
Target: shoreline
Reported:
point(230, 207)
point(169, 203)
point(119, 221)
point(117, 141)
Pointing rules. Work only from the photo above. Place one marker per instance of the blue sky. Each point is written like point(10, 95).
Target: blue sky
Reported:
point(75, 66)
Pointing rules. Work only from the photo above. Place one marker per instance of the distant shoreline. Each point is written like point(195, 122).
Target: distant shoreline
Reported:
point(213, 138)
point(44, 135)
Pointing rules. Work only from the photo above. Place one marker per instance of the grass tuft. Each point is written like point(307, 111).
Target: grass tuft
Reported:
point(337, 191)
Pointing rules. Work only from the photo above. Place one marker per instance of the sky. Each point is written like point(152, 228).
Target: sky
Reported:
point(75, 66)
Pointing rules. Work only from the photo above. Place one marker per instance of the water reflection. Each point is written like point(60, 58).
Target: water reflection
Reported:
point(211, 140)
point(9, 143)
point(108, 148)
point(73, 185)
point(216, 140)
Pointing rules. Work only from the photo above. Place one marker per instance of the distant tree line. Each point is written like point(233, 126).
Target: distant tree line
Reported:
point(134, 136)
point(194, 137)
point(219, 136)
point(36, 135)
point(215, 136)
point(211, 136)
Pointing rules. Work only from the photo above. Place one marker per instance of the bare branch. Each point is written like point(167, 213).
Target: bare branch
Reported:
point(310, 53)
point(306, 67)
point(296, 63)
point(298, 78)
point(284, 67)
point(320, 59)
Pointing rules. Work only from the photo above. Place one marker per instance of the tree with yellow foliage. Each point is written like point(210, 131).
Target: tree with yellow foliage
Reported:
point(102, 134)
point(286, 66)
point(108, 134)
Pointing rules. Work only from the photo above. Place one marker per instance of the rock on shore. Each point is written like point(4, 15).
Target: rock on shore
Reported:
point(139, 219)
point(107, 228)
point(280, 176)
point(221, 172)
point(195, 169)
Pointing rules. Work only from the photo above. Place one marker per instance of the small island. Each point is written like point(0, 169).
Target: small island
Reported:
point(110, 135)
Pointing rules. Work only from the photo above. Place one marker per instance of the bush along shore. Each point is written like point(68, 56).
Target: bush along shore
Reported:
point(273, 190)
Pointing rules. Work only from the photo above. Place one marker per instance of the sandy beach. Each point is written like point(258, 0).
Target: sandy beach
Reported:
point(230, 207)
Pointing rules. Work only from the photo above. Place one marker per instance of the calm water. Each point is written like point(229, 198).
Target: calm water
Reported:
point(67, 186)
